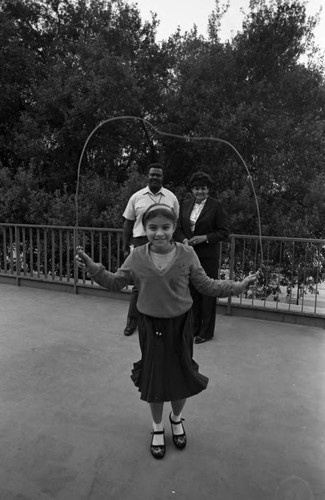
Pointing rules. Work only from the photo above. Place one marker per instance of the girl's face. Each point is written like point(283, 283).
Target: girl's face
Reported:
point(159, 231)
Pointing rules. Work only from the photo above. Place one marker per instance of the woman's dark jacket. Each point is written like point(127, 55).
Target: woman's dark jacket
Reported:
point(211, 221)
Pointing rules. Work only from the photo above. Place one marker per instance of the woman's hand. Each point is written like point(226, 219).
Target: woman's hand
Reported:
point(83, 260)
point(196, 240)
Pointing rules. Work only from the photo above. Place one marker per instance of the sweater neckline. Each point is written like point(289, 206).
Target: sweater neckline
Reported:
point(166, 269)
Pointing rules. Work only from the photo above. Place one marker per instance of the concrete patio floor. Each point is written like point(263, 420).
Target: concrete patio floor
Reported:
point(72, 425)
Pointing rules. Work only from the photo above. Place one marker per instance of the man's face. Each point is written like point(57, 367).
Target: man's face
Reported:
point(155, 179)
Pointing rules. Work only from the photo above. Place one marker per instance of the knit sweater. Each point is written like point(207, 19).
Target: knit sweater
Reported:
point(163, 293)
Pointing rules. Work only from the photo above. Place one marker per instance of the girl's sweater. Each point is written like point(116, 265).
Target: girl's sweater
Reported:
point(163, 293)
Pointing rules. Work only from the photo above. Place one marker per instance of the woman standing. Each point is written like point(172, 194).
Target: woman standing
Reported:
point(202, 225)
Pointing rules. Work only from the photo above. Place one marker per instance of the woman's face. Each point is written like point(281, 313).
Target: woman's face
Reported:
point(200, 193)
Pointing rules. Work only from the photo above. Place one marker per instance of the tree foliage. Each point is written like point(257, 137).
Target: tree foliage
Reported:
point(68, 65)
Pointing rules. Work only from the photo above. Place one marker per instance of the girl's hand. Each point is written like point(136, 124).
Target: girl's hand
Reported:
point(249, 280)
point(83, 260)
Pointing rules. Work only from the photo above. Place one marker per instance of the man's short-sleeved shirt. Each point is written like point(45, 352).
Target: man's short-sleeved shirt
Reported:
point(143, 199)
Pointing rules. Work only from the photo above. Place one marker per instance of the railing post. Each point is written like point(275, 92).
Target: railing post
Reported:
point(75, 267)
point(231, 271)
point(17, 249)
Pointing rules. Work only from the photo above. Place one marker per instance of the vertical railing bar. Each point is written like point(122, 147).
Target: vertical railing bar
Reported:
point(45, 251)
point(68, 255)
point(297, 301)
point(11, 253)
point(84, 247)
point(100, 258)
point(31, 252)
point(1, 240)
point(267, 268)
point(92, 248)
point(118, 250)
point(317, 279)
point(4, 246)
point(2, 230)
point(243, 267)
point(92, 244)
point(304, 278)
point(60, 254)
point(255, 255)
point(110, 252)
point(278, 273)
point(24, 250)
point(38, 243)
point(231, 270)
point(255, 265)
point(292, 273)
point(75, 267)
point(6, 250)
point(53, 254)
point(17, 246)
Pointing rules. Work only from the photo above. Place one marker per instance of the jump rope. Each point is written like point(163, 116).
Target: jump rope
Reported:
point(284, 485)
point(175, 136)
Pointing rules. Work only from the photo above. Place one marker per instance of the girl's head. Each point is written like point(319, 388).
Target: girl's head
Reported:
point(159, 209)
point(159, 222)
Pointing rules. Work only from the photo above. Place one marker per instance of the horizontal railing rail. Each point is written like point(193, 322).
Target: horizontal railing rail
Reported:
point(291, 270)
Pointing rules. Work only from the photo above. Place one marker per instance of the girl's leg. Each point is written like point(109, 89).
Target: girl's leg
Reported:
point(157, 412)
point(177, 407)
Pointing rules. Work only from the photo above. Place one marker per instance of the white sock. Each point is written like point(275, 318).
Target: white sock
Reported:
point(157, 427)
point(158, 439)
point(177, 428)
point(176, 418)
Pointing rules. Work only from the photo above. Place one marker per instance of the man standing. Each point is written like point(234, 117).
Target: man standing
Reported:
point(133, 231)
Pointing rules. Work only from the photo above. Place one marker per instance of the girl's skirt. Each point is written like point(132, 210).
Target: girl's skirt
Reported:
point(167, 371)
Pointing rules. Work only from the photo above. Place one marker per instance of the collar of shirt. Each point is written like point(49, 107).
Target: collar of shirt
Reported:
point(147, 191)
point(202, 203)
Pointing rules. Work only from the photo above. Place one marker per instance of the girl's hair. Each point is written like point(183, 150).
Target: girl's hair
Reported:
point(159, 209)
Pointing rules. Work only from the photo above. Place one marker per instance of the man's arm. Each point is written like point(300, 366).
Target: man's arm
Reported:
point(127, 235)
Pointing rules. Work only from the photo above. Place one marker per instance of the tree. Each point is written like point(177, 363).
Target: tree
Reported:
point(95, 59)
point(68, 65)
point(256, 93)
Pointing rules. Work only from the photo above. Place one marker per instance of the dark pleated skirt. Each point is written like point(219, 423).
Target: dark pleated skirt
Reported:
point(167, 371)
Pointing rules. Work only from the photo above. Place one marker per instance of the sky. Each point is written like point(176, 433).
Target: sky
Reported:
point(185, 13)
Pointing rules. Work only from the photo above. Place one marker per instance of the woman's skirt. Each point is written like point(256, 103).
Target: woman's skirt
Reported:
point(167, 371)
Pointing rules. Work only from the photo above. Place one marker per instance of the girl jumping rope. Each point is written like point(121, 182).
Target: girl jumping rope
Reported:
point(161, 270)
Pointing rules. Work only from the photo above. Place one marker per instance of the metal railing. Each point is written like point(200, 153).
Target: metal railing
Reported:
point(46, 253)
point(291, 279)
point(291, 274)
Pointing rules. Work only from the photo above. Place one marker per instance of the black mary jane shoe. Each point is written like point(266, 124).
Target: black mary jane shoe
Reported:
point(179, 440)
point(158, 451)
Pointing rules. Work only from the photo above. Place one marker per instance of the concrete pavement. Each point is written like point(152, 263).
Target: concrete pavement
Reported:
point(72, 425)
